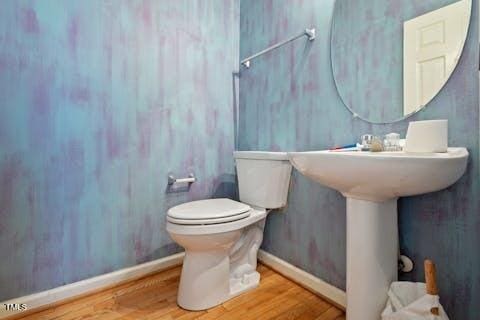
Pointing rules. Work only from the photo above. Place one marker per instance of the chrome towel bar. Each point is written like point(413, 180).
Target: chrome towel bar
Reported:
point(310, 33)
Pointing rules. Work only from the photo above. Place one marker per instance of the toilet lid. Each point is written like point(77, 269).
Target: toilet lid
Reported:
point(208, 212)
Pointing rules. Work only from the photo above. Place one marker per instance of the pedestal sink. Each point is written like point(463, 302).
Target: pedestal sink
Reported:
point(372, 183)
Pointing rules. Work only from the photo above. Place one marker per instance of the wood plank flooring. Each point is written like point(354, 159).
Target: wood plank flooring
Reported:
point(154, 298)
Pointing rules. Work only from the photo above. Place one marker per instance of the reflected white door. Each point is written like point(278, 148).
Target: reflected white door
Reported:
point(433, 44)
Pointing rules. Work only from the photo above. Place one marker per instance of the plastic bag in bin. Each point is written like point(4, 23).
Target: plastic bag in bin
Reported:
point(410, 301)
point(414, 300)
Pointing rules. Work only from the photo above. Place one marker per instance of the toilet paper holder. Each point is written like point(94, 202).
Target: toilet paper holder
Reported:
point(172, 180)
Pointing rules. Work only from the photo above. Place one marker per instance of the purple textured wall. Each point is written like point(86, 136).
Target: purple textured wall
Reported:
point(99, 101)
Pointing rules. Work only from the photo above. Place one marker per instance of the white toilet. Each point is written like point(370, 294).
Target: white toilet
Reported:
point(221, 237)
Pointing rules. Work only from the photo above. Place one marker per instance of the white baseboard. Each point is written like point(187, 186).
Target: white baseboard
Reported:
point(305, 279)
point(47, 298)
point(54, 296)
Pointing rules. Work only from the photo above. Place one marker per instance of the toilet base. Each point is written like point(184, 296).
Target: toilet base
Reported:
point(202, 298)
point(224, 269)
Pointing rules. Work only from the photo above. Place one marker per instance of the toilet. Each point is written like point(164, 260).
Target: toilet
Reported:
point(221, 237)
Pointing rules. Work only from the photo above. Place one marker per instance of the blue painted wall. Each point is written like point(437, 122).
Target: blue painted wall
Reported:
point(288, 101)
point(99, 100)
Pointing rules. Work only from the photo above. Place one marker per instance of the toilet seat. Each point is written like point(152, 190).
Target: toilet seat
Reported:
point(207, 212)
point(209, 221)
point(256, 214)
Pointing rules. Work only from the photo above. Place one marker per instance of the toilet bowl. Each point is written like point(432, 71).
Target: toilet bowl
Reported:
point(221, 237)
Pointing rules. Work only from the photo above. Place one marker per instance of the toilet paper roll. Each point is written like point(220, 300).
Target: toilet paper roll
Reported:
point(427, 136)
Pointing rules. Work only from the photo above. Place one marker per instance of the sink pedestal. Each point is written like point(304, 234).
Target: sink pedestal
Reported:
point(372, 256)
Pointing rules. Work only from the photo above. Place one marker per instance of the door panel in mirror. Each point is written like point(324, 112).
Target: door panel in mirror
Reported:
point(433, 44)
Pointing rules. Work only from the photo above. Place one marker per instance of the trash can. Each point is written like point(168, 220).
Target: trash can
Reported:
point(415, 301)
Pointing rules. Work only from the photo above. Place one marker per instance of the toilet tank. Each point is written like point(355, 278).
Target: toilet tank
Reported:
point(263, 178)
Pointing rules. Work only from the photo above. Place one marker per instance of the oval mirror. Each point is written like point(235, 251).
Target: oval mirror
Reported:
point(390, 58)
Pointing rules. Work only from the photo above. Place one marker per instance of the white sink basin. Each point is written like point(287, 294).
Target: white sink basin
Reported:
point(372, 183)
point(381, 176)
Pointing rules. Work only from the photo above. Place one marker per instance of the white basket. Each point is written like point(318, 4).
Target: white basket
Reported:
point(410, 301)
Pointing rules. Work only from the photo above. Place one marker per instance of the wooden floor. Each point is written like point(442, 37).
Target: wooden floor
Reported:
point(154, 297)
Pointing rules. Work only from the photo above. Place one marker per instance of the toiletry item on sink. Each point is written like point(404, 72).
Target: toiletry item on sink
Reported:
point(376, 145)
point(371, 143)
point(354, 145)
point(427, 136)
point(392, 142)
point(350, 147)
point(367, 141)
